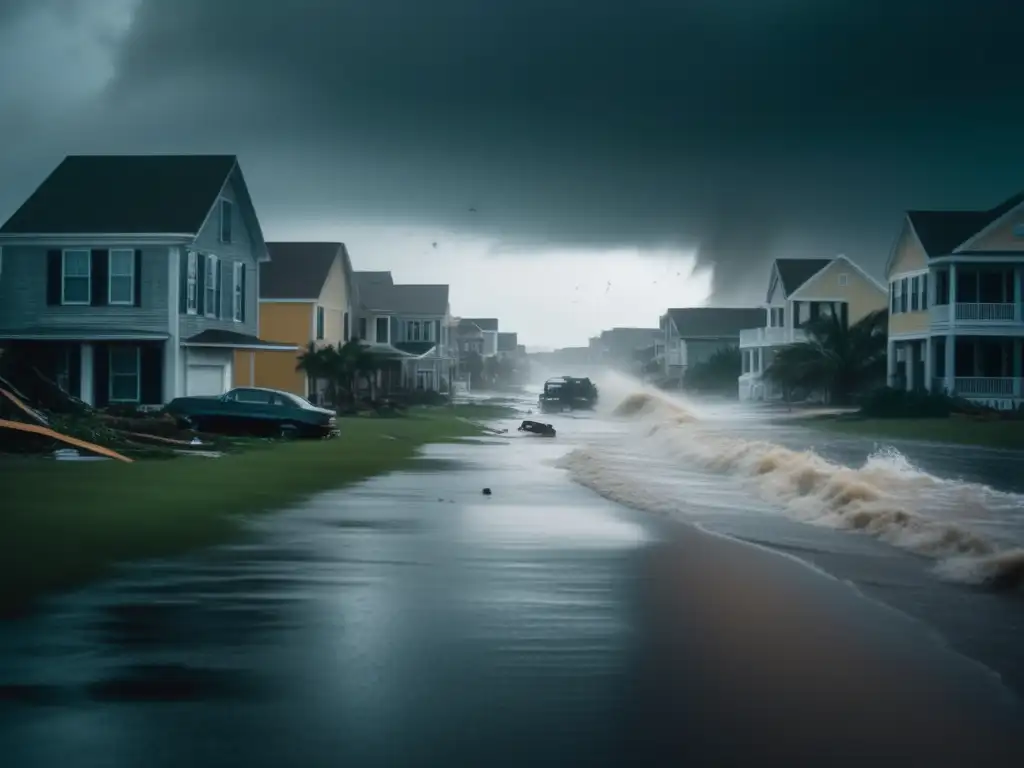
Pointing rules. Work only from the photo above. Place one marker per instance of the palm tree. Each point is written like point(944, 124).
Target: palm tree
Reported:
point(316, 364)
point(836, 359)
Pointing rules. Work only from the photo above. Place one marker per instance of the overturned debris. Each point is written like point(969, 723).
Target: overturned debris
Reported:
point(537, 428)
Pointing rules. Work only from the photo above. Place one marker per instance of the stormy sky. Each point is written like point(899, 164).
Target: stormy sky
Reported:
point(580, 155)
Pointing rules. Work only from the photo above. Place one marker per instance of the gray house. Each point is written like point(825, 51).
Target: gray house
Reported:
point(694, 334)
point(412, 320)
point(132, 279)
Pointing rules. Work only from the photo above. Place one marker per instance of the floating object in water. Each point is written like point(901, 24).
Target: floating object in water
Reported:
point(537, 428)
point(487, 491)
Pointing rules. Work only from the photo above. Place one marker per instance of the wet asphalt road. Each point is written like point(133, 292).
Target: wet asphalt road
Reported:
point(413, 621)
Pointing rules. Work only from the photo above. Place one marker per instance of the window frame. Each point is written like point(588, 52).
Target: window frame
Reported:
point(843, 279)
point(130, 276)
point(137, 375)
point(64, 277)
point(226, 215)
point(237, 299)
point(192, 283)
point(210, 308)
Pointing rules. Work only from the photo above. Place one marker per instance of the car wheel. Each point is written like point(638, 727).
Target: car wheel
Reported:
point(289, 432)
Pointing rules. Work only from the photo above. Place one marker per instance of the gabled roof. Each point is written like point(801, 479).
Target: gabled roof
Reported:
point(298, 270)
point(373, 289)
point(467, 327)
point(715, 322)
point(942, 232)
point(795, 272)
point(483, 323)
point(124, 194)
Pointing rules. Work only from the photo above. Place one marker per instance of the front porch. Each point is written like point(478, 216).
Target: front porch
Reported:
point(988, 370)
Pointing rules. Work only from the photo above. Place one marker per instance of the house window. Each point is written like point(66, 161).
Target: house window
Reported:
point(192, 283)
point(319, 323)
point(124, 374)
point(383, 325)
point(122, 276)
point(844, 279)
point(893, 301)
point(226, 212)
point(924, 291)
point(915, 294)
point(77, 283)
point(904, 290)
point(412, 330)
point(362, 328)
point(212, 285)
point(238, 300)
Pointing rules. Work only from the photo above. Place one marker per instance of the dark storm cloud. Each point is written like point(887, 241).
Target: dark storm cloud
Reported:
point(744, 126)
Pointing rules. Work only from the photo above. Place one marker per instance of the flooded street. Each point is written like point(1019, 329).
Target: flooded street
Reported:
point(412, 620)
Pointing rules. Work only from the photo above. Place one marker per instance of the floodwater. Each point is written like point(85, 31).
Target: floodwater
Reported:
point(641, 590)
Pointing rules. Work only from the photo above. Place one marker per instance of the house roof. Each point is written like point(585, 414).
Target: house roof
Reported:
point(483, 323)
point(377, 291)
point(297, 270)
point(508, 341)
point(795, 272)
point(124, 194)
point(467, 327)
point(942, 232)
point(420, 299)
point(217, 338)
point(715, 322)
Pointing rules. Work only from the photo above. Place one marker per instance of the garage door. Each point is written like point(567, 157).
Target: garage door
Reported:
point(205, 379)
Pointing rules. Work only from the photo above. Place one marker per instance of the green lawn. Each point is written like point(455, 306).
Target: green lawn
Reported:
point(65, 523)
point(990, 434)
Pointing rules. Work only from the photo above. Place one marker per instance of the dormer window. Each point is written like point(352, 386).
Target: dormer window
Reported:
point(226, 213)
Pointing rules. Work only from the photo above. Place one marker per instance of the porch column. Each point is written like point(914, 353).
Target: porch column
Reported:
point(929, 345)
point(908, 364)
point(88, 377)
point(950, 363)
point(171, 375)
point(1018, 366)
point(952, 291)
point(890, 363)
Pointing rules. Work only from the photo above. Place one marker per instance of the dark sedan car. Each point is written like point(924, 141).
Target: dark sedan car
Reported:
point(254, 410)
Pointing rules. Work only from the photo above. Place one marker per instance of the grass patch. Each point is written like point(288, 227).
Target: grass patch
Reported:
point(952, 430)
point(65, 523)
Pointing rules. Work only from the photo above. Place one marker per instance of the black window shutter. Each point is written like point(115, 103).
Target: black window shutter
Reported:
point(201, 287)
point(74, 352)
point(151, 383)
point(344, 331)
point(244, 295)
point(183, 283)
point(100, 271)
point(138, 277)
point(101, 374)
point(54, 276)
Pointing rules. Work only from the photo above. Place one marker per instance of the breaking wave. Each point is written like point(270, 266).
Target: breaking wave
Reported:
point(957, 524)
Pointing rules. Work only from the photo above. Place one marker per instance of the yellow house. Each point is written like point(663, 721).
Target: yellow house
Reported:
point(801, 290)
point(956, 314)
point(305, 295)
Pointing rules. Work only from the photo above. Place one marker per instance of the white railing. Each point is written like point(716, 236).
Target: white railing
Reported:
point(768, 337)
point(973, 312)
point(987, 386)
point(987, 313)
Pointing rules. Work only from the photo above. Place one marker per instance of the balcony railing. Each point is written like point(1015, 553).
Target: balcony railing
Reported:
point(966, 312)
point(768, 337)
point(982, 386)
